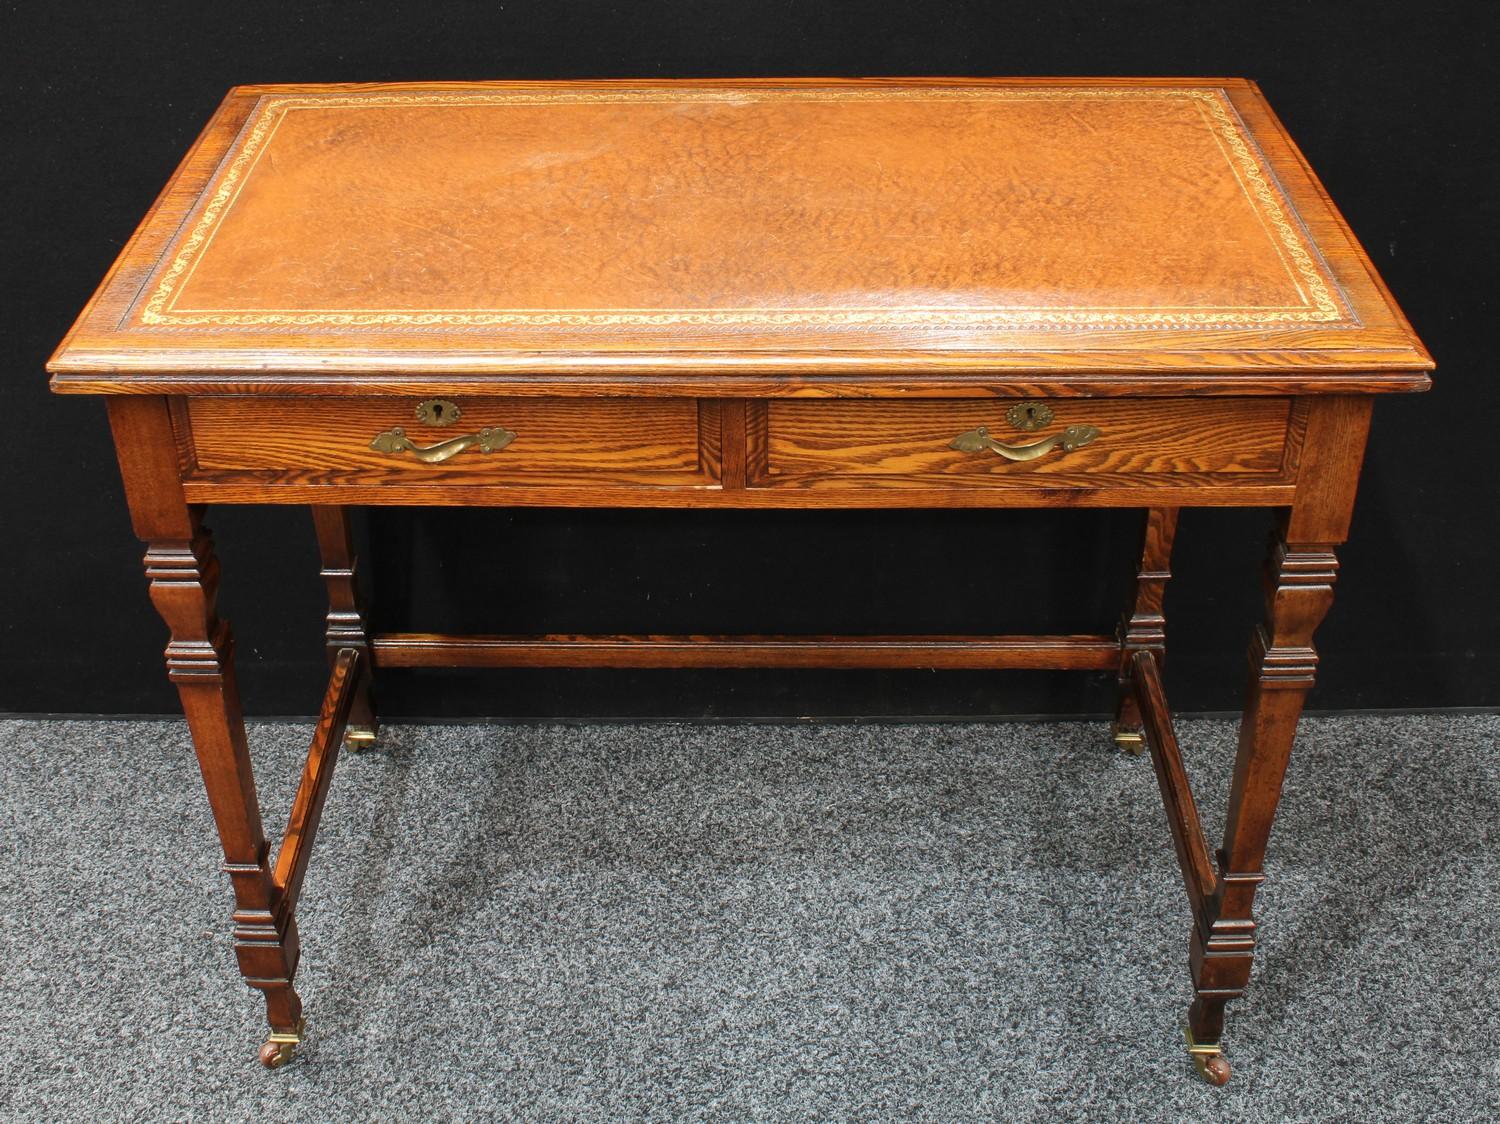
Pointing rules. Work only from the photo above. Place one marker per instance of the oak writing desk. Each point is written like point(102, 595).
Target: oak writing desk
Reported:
point(808, 294)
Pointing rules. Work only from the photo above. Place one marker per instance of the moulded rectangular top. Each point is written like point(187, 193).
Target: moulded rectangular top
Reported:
point(808, 236)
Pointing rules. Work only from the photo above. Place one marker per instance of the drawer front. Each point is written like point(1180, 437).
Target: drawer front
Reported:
point(645, 441)
point(956, 443)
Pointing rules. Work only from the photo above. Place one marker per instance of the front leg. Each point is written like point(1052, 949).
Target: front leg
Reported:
point(184, 576)
point(1299, 591)
point(1298, 594)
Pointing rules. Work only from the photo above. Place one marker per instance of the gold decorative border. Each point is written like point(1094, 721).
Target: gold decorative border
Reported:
point(1323, 307)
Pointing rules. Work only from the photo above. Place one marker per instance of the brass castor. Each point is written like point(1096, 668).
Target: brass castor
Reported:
point(357, 738)
point(1132, 742)
point(1208, 1060)
point(280, 1045)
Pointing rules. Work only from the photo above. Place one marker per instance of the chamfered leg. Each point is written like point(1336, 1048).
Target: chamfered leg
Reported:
point(347, 625)
point(184, 581)
point(1298, 586)
point(1144, 627)
point(1299, 592)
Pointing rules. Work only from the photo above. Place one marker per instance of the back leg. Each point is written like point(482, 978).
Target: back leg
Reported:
point(347, 625)
point(1144, 627)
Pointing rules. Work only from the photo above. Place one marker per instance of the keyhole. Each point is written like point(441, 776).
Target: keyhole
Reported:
point(437, 411)
point(1031, 413)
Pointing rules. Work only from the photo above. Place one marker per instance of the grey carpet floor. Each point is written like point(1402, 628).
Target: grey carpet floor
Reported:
point(928, 922)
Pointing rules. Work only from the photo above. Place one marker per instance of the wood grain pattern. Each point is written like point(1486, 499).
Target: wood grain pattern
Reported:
point(1056, 490)
point(911, 440)
point(734, 443)
point(1144, 626)
point(317, 774)
point(818, 374)
point(418, 649)
point(184, 583)
point(1328, 477)
point(1171, 775)
point(657, 450)
point(1299, 582)
point(647, 441)
point(344, 626)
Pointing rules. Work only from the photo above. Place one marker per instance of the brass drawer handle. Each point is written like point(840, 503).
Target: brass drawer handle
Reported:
point(978, 440)
point(488, 440)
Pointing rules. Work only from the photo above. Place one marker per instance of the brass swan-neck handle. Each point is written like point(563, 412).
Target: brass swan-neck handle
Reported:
point(978, 440)
point(489, 440)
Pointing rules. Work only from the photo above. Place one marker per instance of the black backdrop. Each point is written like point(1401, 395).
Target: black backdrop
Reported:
point(1386, 99)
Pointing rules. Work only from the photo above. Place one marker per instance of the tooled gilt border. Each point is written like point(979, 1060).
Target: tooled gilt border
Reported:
point(1323, 306)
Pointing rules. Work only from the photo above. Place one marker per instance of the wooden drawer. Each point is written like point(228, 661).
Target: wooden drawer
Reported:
point(767, 452)
point(646, 441)
point(887, 443)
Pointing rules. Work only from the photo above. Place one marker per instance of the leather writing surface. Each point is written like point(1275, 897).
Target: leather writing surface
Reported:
point(1127, 208)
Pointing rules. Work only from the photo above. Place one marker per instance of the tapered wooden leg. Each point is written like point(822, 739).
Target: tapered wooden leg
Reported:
point(1144, 627)
point(1299, 592)
point(184, 577)
point(347, 626)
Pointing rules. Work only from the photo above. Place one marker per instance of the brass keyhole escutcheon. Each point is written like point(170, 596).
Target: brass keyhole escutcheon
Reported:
point(437, 411)
point(1029, 415)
